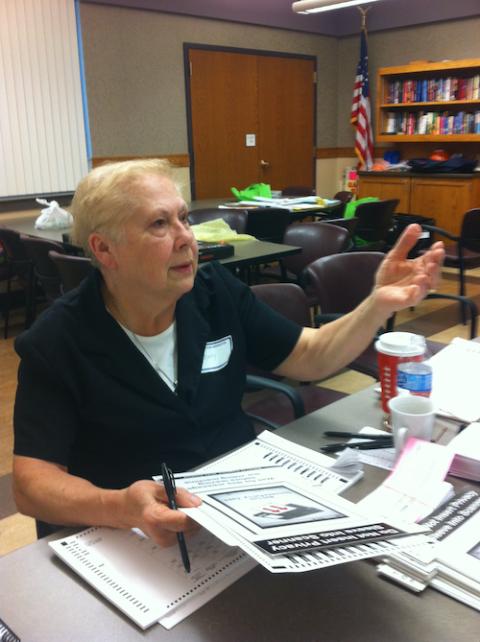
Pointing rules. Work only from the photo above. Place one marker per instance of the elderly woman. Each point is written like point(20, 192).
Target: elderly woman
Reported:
point(145, 361)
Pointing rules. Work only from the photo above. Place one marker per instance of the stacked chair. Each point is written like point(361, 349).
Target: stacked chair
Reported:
point(17, 267)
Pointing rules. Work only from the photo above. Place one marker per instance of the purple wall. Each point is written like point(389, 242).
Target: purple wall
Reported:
point(387, 14)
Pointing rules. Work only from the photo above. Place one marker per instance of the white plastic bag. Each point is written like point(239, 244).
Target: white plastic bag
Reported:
point(53, 217)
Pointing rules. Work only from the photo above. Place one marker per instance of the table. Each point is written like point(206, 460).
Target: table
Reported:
point(247, 253)
point(322, 212)
point(347, 603)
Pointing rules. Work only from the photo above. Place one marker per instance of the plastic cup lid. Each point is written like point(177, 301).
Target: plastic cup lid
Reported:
point(401, 344)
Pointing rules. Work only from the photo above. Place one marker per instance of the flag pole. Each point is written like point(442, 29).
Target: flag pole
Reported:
point(361, 117)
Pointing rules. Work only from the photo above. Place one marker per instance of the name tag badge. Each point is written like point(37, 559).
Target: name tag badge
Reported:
point(217, 354)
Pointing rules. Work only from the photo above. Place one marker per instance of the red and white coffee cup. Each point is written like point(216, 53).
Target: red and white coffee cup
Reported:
point(394, 348)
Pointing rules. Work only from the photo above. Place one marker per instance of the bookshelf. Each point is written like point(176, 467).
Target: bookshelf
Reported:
point(429, 102)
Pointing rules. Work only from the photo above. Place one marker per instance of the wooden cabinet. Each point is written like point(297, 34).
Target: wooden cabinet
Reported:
point(386, 187)
point(445, 198)
point(429, 102)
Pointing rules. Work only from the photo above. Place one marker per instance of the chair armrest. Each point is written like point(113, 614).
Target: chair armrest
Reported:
point(255, 382)
point(327, 317)
point(466, 302)
point(441, 231)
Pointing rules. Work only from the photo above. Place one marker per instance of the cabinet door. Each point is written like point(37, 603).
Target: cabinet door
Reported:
point(386, 188)
point(445, 200)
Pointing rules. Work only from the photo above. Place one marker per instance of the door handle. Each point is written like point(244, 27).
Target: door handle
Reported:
point(264, 163)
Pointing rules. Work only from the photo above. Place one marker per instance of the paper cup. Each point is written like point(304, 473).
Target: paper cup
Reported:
point(392, 349)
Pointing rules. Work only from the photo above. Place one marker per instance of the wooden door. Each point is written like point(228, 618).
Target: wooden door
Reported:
point(224, 100)
point(235, 94)
point(286, 121)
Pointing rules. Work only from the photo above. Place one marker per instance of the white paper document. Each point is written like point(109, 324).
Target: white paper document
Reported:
point(287, 525)
point(269, 449)
point(450, 562)
point(416, 486)
point(456, 373)
point(148, 582)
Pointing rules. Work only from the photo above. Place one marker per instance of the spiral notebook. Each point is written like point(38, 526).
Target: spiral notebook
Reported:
point(148, 583)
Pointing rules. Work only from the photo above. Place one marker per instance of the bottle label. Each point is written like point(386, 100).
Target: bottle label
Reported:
point(417, 383)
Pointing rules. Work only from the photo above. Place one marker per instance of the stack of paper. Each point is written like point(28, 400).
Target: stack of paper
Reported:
point(287, 525)
point(456, 371)
point(466, 446)
point(149, 583)
point(451, 564)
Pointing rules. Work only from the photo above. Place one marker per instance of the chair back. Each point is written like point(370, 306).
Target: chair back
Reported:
point(349, 224)
point(343, 196)
point(337, 211)
point(470, 232)
point(72, 269)
point(342, 281)
point(44, 270)
point(286, 298)
point(316, 240)
point(236, 219)
point(375, 219)
point(13, 246)
point(268, 224)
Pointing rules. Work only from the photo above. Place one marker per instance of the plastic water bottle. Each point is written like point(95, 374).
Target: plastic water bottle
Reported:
point(415, 376)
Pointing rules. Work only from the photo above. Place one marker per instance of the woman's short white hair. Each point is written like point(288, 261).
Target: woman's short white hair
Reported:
point(104, 200)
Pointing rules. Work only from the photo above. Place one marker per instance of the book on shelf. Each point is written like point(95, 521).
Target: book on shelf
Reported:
point(443, 89)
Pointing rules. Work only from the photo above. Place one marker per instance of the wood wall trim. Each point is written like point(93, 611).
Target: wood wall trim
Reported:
point(344, 152)
point(177, 160)
point(334, 152)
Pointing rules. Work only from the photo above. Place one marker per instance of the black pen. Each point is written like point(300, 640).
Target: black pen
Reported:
point(356, 435)
point(171, 490)
point(379, 443)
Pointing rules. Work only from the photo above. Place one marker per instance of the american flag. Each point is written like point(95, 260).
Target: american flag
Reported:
point(361, 114)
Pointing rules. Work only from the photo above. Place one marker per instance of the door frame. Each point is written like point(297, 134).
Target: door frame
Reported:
point(187, 46)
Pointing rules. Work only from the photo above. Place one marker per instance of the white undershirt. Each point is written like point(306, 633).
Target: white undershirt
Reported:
point(160, 351)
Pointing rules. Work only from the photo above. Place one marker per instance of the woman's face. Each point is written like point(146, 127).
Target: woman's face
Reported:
point(157, 251)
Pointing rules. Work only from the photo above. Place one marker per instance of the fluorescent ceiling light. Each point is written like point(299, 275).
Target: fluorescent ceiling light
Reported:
point(317, 6)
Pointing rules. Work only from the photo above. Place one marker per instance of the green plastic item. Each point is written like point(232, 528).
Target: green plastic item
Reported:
point(350, 212)
point(255, 189)
point(352, 206)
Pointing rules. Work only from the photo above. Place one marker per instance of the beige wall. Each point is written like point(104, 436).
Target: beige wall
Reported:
point(454, 40)
point(136, 87)
point(135, 75)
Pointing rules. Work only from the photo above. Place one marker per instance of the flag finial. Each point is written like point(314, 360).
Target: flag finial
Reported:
point(364, 16)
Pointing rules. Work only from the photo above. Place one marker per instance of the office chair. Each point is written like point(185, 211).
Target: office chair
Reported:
point(17, 265)
point(316, 240)
point(72, 269)
point(464, 251)
point(344, 196)
point(375, 220)
point(236, 219)
point(267, 224)
point(342, 281)
point(282, 403)
point(45, 273)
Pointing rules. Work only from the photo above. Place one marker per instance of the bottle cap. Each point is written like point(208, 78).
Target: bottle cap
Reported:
point(401, 344)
